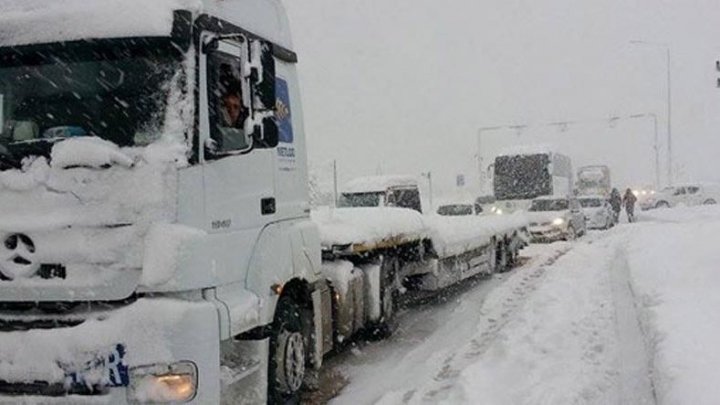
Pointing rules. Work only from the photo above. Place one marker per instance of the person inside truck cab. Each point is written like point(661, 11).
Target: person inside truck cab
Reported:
point(229, 120)
point(232, 109)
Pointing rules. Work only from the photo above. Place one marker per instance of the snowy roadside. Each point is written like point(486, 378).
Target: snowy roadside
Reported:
point(623, 316)
point(559, 344)
point(675, 271)
point(431, 336)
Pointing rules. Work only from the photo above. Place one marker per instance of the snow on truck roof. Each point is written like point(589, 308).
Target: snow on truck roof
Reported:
point(378, 183)
point(528, 150)
point(24, 22)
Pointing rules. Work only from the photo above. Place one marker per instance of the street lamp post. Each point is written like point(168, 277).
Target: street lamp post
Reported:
point(655, 145)
point(428, 176)
point(669, 106)
point(481, 168)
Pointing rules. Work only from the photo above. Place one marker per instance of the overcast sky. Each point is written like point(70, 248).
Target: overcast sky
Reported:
point(402, 86)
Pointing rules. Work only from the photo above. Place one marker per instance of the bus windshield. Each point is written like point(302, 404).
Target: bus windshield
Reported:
point(522, 177)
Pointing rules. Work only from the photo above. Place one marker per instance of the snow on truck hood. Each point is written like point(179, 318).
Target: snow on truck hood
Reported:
point(88, 210)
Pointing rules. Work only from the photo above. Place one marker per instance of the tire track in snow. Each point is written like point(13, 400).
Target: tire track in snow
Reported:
point(494, 324)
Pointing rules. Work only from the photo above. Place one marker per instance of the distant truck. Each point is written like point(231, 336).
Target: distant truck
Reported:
point(432, 251)
point(594, 181)
point(382, 191)
point(521, 176)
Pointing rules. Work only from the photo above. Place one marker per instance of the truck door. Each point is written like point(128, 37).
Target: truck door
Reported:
point(239, 182)
point(695, 195)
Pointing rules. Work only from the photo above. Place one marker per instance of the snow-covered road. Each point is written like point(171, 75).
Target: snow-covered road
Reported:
point(616, 317)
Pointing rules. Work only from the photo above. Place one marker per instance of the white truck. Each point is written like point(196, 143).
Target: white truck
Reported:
point(526, 173)
point(153, 251)
point(435, 251)
point(594, 181)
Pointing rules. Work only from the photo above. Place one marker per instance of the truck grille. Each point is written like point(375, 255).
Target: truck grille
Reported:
point(45, 389)
point(23, 325)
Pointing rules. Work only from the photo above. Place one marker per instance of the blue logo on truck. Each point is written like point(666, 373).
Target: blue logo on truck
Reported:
point(283, 113)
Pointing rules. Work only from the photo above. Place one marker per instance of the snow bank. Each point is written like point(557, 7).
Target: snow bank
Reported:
point(455, 235)
point(674, 265)
point(369, 226)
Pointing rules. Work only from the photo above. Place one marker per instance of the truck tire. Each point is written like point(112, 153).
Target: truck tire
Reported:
point(502, 257)
point(286, 369)
point(571, 234)
point(662, 204)
point(710, 201)
point(385, 327)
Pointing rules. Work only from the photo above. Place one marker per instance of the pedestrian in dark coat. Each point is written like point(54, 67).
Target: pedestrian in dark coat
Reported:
point(629, 200)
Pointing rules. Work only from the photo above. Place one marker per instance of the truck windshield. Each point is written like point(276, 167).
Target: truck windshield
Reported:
point(455, 209)
point(549, 205)
point(116, 91)
point(362, 199)
point(522, 177)
point(591, 202)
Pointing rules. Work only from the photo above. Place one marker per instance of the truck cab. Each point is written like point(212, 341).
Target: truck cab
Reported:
point(382, 191)
point(153, 203)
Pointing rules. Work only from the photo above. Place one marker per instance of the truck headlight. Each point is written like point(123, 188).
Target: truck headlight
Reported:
point(558, 221)
point(163, 383)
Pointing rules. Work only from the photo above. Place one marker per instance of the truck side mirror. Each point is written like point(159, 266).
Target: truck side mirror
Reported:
point(262, 81)
point(266, 134)
point(262, 75)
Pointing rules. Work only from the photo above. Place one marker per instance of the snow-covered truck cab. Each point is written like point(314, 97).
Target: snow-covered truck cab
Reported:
point(156, 244)
point(382, 191)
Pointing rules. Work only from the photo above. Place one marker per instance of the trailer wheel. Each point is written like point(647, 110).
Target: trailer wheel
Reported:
point(502, 260)
point(287, 353)
point(388, 298)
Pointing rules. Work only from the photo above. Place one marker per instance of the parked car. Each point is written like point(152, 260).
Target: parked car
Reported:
point(687, 194)
point(598, 212)
point(556, 218)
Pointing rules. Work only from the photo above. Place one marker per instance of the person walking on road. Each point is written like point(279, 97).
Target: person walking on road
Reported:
point(629, 201)
point(616, 204)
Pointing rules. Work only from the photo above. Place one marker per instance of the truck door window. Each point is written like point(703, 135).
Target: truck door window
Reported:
point(679, 191)
point(693, 190)
point(405, 198)
point(228, 96)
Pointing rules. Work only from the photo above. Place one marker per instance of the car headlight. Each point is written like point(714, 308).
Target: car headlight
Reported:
point(558, 221)
point(163, 383)
point(499, 211)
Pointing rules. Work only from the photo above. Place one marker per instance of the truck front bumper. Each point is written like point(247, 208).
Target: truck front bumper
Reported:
point(101, 354)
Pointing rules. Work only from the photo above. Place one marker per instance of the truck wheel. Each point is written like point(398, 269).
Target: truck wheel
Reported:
point(287, 353)
point(571, 234)
point(662, 204)
point(502, 261)
point(388, 298)
point(710, 201)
